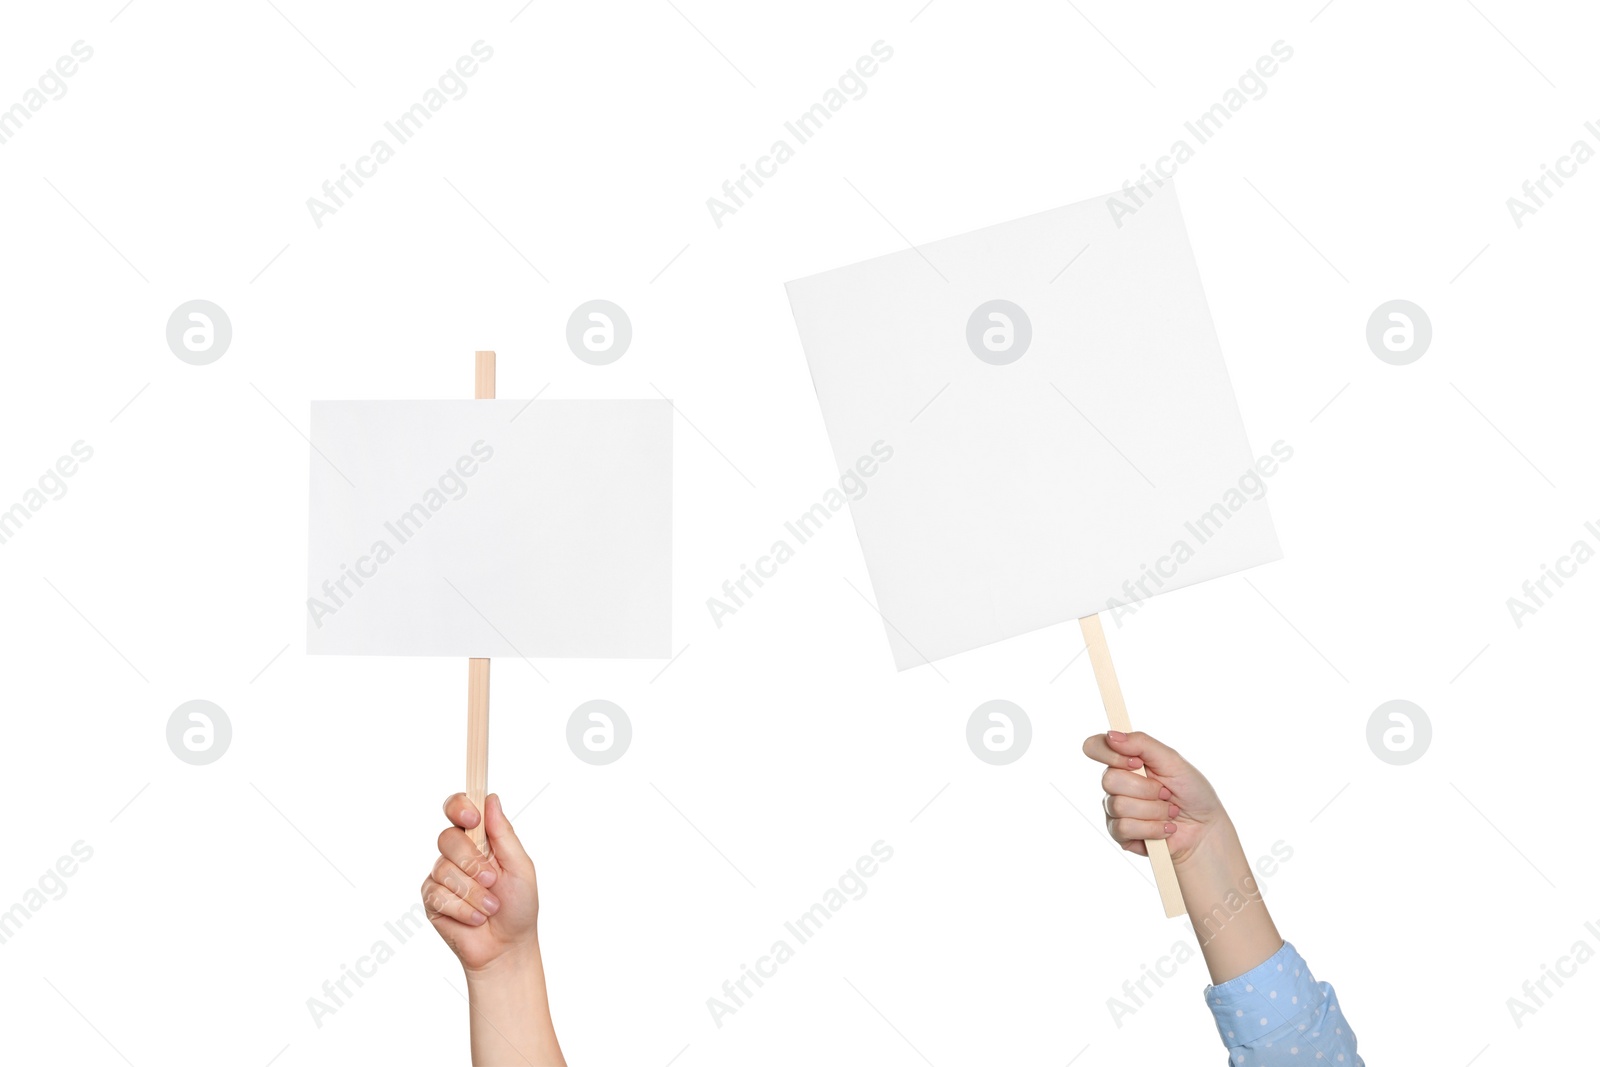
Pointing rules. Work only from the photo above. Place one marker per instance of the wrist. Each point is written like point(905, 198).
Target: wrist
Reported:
point(519, 962)
point(510, 1009)
point(1215, 846)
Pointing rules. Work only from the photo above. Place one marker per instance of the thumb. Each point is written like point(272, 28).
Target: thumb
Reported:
point(502, 838)
point(1154, 755)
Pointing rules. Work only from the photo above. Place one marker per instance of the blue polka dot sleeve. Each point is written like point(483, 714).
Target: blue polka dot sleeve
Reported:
point(1278, 1015)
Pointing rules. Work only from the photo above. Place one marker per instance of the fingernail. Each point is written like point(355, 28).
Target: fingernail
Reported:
point(478, 919)
point(1116, 735)
point(1169, 829)
point(1134, 763)
point(470, 817)
point(1172, 810)
point(1166, 794)
point(486, 877)
point(490, 904)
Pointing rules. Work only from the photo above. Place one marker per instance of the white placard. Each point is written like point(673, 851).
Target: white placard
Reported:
point(1105, 463)
point(491, 528)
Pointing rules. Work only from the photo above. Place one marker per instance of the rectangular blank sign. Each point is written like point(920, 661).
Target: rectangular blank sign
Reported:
point(485, 528)
point(1065, 434)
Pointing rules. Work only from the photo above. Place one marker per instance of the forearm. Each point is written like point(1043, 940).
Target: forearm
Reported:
point(1230, 919)
point(510, 1007)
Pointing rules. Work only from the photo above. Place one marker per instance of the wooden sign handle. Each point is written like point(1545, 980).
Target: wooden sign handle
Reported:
point(1105, 676)
point(478, 669)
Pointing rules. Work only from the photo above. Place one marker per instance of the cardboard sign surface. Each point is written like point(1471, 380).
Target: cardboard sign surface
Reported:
point(487, 528)
point(1065, 435)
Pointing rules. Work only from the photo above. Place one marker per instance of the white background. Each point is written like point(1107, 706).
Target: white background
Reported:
point(1420, 497)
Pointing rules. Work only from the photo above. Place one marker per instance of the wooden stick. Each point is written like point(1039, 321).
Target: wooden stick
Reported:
point(1105, 675)
point(478, 743)
point(478, 669)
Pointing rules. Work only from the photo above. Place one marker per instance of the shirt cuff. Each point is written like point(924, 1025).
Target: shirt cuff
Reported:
point(1263, 1000)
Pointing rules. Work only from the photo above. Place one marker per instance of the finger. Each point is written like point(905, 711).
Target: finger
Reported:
point(1141, 749)
point(502, 838)
point(455, 879)
point(459, 849)
point(1139, 830)
point(1119, 782)
point(1120, 807)
point(1098, 748)
point(1136, 847)
point(440, 901)
point(460, 811)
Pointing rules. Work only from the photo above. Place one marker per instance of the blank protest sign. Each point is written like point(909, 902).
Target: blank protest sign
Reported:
point(1027, 493)
point(483, 528)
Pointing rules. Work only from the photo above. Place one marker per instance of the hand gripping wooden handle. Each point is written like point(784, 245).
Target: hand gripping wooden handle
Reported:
point(1105, 676)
